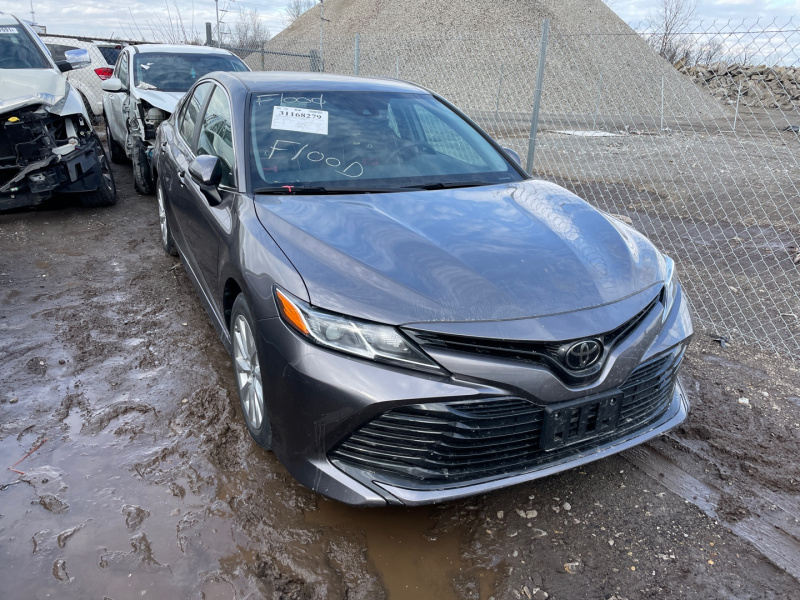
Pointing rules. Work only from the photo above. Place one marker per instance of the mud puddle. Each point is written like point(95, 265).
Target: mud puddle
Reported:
point(417, 560)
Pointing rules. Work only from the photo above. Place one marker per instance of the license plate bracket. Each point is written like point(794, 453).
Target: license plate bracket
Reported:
point(576, 421)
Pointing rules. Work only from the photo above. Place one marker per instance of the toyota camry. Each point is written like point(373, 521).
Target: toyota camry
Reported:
point(412, 318)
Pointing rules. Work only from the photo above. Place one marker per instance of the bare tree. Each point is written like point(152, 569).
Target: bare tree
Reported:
point(249, 33)
point(295, 8)
point(668, 28)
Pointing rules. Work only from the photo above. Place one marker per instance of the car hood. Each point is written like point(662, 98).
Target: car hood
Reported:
point(500, 252)
point(29, 87)
point(166, 101)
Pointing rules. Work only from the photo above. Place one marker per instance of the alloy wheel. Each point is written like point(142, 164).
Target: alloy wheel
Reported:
point(248, 373)
point(162, 217)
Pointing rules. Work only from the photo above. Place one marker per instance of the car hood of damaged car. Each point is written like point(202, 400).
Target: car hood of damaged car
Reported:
point(497, 252)
point(166, 101)
point(28, 87)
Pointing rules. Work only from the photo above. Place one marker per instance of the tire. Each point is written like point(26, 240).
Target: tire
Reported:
point(167, 243)
point(116, 151)
point(142, 176)
point(247, 369)
point(106, 194)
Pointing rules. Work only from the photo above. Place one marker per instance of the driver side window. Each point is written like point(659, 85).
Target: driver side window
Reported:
point(122, 69)
point(191, 110)
point(216, 137)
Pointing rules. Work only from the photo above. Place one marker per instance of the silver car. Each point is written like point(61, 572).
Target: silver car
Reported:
point(147, 82)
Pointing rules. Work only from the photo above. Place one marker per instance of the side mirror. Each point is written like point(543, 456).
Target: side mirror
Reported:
point(513, 155)
point(63, 66)
point(78, 58)
point(206, 171)
point(112, 84)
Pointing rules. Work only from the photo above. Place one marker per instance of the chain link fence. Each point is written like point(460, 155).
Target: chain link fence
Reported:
point(702, 155)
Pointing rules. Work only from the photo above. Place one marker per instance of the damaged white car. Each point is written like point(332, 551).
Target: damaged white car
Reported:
point(147, 83)
point(47, 145)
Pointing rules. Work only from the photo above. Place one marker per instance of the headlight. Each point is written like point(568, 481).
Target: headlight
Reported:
point(368, 340)
point(670, 287)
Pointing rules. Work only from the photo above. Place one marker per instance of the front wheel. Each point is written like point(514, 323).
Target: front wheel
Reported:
point(247, 367)
point(167, 243)
point(142, 177)
point(106, 194)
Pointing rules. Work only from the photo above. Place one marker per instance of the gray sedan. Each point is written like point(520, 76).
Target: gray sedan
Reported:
point(411, 317)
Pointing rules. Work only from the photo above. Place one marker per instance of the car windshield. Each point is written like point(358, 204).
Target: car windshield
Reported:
point(19, 51)
point(365, 141)
point(172, 72)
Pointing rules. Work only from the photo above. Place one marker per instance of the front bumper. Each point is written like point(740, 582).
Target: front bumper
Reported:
point(37, 161)
point(320, 401)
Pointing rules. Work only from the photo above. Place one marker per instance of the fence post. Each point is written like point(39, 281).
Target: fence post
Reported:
point(262, 56)
point(209, 38)
point(537, 98)
point(357, 50)
point(597, 104)
point(736, 114)
point(397, 67)
point(497, 102)
point(662, 103)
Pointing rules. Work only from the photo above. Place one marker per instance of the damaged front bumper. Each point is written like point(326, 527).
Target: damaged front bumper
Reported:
point(43, 153)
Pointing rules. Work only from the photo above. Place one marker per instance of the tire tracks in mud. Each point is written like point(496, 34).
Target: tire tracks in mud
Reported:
point(774, 532)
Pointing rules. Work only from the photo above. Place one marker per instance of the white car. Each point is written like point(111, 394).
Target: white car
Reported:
point(103, 56)
point(147, 83)
point(47, 144)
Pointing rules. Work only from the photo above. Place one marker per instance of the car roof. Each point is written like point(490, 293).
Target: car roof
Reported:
point(287, 81)
point(179, 49)
point(6, 19)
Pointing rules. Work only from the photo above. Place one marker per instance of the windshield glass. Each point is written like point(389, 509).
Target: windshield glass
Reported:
point(19, 51)
point(362, 140)
point(172, 72)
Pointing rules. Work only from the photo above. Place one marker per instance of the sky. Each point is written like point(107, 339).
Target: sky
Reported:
point(142, 18)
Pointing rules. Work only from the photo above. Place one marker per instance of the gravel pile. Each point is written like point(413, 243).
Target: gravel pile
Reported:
point(483, 54)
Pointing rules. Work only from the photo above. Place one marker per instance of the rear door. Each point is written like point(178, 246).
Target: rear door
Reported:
point(117, 101)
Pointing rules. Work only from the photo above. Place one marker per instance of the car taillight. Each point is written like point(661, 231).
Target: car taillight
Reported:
point(104, 72)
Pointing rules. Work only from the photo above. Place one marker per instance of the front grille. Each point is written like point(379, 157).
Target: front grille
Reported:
point(548, 354)
point(470, 440)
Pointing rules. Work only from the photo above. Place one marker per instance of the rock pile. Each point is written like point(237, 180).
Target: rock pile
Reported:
point(761, 86)
point(483, 55)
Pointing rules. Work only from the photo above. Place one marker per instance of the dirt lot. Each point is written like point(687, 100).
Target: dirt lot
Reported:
point(144, 483)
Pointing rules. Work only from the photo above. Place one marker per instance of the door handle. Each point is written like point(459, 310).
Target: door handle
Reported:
point(163, 147)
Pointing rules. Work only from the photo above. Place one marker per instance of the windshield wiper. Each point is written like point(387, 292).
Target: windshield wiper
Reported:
point(446, 185)
point(308, 190)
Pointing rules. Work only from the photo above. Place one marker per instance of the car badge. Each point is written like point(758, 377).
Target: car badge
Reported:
point(583, 354)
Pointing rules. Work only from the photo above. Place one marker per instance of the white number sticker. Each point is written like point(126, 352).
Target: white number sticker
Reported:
point(304, 120)
point(8, 30)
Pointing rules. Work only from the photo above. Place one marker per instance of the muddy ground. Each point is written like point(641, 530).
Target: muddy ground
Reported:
point(144, 483)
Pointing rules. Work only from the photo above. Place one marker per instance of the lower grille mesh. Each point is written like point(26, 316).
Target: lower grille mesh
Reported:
point(452, 442)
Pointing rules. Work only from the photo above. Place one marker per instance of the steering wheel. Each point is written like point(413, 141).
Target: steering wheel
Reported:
point(16, 63)
point(408, 150)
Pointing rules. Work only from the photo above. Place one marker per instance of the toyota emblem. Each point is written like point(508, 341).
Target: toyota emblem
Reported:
point(583, 354)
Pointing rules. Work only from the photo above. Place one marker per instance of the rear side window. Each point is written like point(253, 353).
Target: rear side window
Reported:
point(57, 51)
point(110, 53)
point(191, 109)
